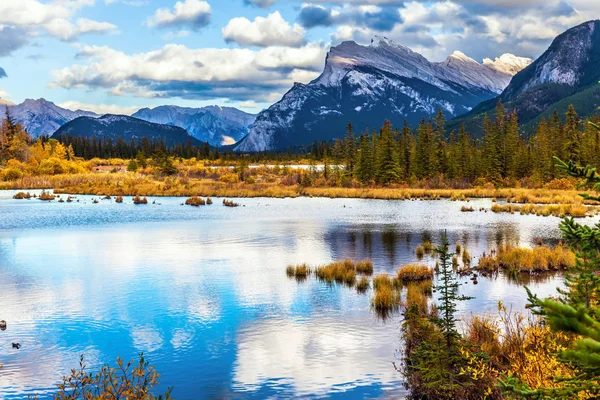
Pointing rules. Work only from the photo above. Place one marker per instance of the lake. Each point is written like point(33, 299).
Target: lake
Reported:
point(203, 292)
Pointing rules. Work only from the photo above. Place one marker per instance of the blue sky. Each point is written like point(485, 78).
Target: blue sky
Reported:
point(119, 55)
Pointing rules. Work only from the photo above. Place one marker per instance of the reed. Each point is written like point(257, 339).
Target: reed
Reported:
point(414, 272)
point(209, 201)
point(119, 199)
point(537, 259)
point(575, 210)
point(467, 209)
point(386, 297)
point(466, 258)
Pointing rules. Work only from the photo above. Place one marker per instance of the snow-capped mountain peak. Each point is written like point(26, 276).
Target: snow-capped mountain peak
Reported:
point(508, 63)
point(366, 85)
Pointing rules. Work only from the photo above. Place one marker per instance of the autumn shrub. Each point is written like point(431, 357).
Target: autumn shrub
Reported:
point(132, 380)
point(46, 196)
point(11, 174)
point(140, 200)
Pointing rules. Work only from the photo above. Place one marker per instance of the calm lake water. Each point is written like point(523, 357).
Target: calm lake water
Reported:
point(204, 294)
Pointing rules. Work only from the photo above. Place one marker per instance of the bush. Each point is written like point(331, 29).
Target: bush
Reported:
point(126, 381)
point(12, 174)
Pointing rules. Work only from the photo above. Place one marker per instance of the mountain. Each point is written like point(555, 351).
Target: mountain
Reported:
point(566, 73)
point(42, 117)
point(213, 124)
point(112, 126)
point(366, 85)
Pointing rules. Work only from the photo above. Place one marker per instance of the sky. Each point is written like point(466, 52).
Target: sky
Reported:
point(120, 55)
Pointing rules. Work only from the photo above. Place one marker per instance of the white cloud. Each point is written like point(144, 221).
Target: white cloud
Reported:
point(270, 31)
point(194, 13)
point(54, 17)
point(178, 71)
point(99, 108)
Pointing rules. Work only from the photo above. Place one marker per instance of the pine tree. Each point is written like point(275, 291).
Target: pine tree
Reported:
point(365, 169)
point(388, 168)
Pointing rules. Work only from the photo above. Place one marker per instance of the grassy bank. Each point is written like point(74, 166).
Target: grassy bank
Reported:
point(537, 201)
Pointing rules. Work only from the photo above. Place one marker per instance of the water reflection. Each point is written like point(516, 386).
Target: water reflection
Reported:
point(203, 291)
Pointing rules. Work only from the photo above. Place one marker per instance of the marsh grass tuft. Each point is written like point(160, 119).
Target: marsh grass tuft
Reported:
point(364, 267)
point(300, 272)
point(119, 199)
point(537, 259)
point(140, 200)
point(195, 201)
point(414, 272)
point(22, 195)
point(362, 285)
point(230, 203)
point(46, 196)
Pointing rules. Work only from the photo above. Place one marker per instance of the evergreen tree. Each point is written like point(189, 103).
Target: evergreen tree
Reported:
point(388, 168)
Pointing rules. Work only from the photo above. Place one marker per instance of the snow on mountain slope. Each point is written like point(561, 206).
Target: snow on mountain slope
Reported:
point(42, 117)
point(367, 84)
point(213, 124)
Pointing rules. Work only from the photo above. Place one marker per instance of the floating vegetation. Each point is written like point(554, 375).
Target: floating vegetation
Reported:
point(428, 247)
point(458, 248)
point(95, 201)
point(209, 201)
point(60, 200)
point(230, 203)
point(414, 272)
point(119, 199)
point(537, 259)
point(467, 209)
point(140, 200)
point(107, 197)
point(46, 196)
point(22, 195)
point(195, 201)
point(69, 199)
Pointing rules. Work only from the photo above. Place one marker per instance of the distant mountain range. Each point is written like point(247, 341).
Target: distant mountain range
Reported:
point(366, 85)
point(567, 73)
point(213, 124)
point(127, 128)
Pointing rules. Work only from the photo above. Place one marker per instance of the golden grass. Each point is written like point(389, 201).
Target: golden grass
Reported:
point(576, 210)
point(414, 272)
point(362, 285)
point(338, 271)
point(420, 251)
point(300, 272)
point(466, 258)
point(201, 179)
point(537, 259)
point(118, 199)
point(467, 209)
point(386, 297)
point(364, 267)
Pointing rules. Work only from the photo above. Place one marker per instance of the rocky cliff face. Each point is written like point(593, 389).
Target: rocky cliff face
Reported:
point(365, 85)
